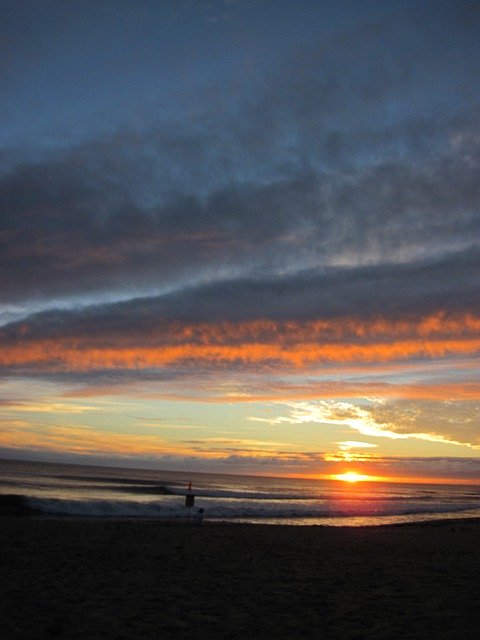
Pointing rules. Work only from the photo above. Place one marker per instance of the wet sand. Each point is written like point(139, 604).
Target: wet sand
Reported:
point(138, 580)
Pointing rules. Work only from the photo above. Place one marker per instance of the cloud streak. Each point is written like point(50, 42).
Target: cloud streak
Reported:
point(290, 344)
point(453, 422)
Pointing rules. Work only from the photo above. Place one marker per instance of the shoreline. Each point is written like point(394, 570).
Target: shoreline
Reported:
point(128, 579)
point(16, 505)
point(214, 522)
point(11, 507)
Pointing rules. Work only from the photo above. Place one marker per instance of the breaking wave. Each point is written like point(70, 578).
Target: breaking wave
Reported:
point(172, 507)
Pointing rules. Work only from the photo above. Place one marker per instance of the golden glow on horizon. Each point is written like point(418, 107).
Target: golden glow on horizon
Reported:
point(20, 435)
point(394, 479)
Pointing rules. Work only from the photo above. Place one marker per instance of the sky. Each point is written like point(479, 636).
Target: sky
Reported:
point(242, 236)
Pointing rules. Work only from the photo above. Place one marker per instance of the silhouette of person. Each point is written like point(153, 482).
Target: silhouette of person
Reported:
point(198, 517)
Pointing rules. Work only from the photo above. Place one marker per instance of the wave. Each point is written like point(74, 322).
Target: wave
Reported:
point(248, 495)
point(217, 509)
point(160, 490)
point(234, 494)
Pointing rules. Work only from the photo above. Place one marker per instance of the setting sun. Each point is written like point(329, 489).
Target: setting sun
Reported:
point(351, 476)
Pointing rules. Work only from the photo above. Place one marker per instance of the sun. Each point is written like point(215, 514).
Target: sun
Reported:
point(351, 476)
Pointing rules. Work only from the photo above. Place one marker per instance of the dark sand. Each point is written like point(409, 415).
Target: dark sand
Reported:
point(94, 579)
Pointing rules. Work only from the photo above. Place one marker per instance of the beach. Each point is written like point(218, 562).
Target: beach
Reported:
point(136, 579)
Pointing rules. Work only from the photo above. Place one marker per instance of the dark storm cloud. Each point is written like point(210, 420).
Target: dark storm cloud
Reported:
point(356, 155)
point(448, 285)
point(83, 223)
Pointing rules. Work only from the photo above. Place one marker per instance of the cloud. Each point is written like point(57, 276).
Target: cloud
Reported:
point(453, 420)
point(241, 388)
point(83, 444)
point(354, 444)
point(445, 284)
point(294, 345)
point(68, 231)
point(447, 422)
point(80, 440)
point(318, 163)
point(424, 468)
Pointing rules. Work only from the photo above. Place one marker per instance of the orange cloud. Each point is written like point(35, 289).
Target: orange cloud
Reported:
point(278, 391)
point(298, 345)
point(60, 356)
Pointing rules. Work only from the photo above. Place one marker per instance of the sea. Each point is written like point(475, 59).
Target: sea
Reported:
point(67, 490)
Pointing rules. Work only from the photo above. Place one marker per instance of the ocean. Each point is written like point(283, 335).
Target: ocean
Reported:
point(52, 489)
